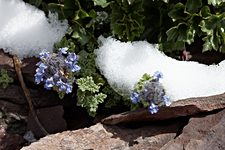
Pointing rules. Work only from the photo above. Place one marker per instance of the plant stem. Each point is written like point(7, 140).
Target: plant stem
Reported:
point(17, 65)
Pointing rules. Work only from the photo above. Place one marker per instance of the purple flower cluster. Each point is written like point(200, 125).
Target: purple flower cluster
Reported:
point(153, 93)
point(56, 70)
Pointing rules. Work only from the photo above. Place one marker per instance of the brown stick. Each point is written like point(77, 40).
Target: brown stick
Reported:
point(179, 108)
point(17, 64)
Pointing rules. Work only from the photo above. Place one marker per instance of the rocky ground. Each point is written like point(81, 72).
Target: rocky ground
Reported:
point(196, 123)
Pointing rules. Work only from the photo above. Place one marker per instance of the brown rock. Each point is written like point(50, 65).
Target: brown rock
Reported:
point(12, 127)
point(40, 97)
point(51, 119)
point(201, 133)
point(13, 108)
point(179, 108)
point(102, 137)
point(10, 141)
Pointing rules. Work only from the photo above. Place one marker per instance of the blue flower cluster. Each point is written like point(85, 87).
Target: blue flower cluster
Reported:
point(56, 70)
point(153, 93)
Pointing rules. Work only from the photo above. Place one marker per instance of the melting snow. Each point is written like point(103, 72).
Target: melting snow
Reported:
point(123, 64)
point(25, 30)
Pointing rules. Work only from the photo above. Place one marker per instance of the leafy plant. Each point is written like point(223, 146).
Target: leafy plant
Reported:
point(5, 79)
point(182, 22)
point(127, 19)
point(88, 95)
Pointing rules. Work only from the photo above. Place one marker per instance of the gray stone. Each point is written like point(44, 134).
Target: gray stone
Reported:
point(102, 137)
point(201, 133)
point(51, 119)
point(179, 108)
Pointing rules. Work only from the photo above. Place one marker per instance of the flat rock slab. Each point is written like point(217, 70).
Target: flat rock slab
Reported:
point(51, 119)
point(179, 108)
point(201, 133)
point(102, 137)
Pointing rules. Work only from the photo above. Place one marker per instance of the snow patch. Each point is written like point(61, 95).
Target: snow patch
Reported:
point(123, 64)
point(25, 30)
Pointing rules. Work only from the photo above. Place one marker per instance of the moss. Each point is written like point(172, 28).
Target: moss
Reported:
point(5, 79)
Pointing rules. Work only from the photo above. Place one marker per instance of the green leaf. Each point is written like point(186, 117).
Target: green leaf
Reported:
point(102, 3)
point(127, 19)
point(172, 34)
point(215, 2)
point(5, 79)
point(205, 12)
point(192, 6)
point(178, 12)
point(87, 84)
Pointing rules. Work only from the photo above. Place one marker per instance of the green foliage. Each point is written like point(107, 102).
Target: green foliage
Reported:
point(88, 96)
point(5, 80)
point(141, 82)
point(127, 19)
point(172, 24)
point(182, 22)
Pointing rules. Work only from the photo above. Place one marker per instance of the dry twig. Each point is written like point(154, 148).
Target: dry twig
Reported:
point(17, 65)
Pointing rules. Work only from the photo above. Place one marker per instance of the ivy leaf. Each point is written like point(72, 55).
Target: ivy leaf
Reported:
point(127, 19)
point(192, 6)
point(178, 12)
point(102, 3)
point(172, 34)
point(215, 2)
point(205, 12)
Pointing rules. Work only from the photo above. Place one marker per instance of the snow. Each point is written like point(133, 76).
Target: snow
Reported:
point(25, 30)
point(123, 64)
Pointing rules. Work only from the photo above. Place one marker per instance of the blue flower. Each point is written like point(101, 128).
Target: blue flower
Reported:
point(75, 68)
point(69, 88)
point(49, 83)
point(44, 54)
point(42, 66)
point(63, 50)
point(134, 97)
point(153, 108)
point(72, 66)
point(72, 57)
point(61, 85)
point(166, 100)
point(157, 75)
point(38, 77)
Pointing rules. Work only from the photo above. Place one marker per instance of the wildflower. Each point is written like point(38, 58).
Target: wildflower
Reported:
point(153, 108)
point(166, 100)
point(38, 78)
point(44, 54)
point(49, 83)
point(69, 88)
point(63, 50)
point(157, 75)
point(151, 91)
point(134, 97)
point(72, 57)
point(56, 70)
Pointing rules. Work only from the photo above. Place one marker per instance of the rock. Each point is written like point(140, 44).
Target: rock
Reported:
point(10, 141)
point(40, 97)
point(13, 108)
point(179, 108)
point(201, 133)
point(102, 137)
point(51, 119)
point(12, 127)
